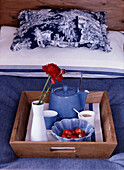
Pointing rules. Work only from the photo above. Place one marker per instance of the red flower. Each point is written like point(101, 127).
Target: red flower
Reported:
point(54, 71)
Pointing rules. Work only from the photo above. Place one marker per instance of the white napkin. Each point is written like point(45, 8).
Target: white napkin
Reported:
point(97, 122)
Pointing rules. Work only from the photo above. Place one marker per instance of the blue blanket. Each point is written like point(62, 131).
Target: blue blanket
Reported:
point(11, 88)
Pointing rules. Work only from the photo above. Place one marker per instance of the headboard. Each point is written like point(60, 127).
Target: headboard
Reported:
point(9, 9)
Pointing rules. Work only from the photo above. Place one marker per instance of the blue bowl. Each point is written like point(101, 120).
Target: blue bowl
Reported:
point(74, 123)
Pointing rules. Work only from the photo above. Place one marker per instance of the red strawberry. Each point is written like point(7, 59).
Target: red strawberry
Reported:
point(82, 134)
point(67, 132)
point(68, 136)
point(73, 136)
point(63, 135)
point(73, 131)
point(78, 130)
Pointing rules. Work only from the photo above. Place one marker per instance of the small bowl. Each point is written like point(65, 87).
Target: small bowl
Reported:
point(74, 123)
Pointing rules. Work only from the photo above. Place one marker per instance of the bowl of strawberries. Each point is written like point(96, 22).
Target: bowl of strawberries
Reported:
point(72, 130)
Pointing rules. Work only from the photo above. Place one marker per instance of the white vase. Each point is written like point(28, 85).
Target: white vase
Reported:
point(38, 128)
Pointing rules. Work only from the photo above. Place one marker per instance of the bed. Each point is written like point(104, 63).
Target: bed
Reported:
point(100, 71)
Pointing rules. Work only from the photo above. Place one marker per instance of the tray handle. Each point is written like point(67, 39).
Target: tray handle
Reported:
point(62, 149)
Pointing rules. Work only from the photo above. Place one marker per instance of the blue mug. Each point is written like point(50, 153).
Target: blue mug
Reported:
point(50, 117)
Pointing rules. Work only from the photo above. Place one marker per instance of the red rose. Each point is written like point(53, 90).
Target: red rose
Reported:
point(54, 71)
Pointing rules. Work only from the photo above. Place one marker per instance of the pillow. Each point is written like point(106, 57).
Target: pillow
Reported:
point(61, 28)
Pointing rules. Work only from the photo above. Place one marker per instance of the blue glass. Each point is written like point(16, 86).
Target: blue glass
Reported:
point(49, 121)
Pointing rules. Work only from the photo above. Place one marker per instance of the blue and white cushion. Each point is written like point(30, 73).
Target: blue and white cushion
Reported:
point(61, 28)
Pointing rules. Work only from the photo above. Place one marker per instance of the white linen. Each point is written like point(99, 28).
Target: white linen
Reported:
point(97, 127)
point(79, 59)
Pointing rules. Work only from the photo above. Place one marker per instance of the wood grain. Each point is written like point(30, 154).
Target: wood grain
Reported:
point(21, 120)
point(43, 149)
point(9, 9)
point(107, 120)
point(94, 96)
point(81, 149)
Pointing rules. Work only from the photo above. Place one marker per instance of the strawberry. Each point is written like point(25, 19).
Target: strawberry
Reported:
point(68, 136)
point(82, 134)
point(63, 135)
point(78, 130)
point(67, 132)
point(73, 131)
point(73, 136)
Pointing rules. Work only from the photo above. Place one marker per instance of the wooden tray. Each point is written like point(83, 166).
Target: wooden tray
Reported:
point(29, 149)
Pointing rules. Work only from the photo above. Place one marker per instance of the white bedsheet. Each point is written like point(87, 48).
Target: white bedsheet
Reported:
point(72, 59)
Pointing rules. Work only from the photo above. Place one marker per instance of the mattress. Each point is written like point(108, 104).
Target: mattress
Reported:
point(76, 61)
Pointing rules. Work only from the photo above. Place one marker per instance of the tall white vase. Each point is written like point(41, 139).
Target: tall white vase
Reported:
point(38, 129)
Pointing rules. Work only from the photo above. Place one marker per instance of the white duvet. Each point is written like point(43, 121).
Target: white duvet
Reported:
point(73, 59)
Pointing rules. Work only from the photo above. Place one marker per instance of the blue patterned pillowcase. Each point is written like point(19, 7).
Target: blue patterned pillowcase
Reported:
point(61, 28)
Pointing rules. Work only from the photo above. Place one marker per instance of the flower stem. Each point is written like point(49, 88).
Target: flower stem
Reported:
point(46, 93)
point(44, 90)
point(59, 74)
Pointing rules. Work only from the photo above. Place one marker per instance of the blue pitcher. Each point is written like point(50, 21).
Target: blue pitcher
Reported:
point(64, 99)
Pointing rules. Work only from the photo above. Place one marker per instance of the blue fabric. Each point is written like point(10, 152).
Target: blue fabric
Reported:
point(61, 28)
point(66, 164)
point(11, 88)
